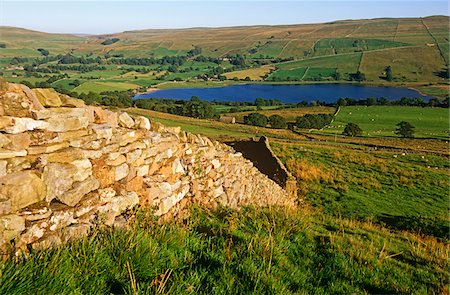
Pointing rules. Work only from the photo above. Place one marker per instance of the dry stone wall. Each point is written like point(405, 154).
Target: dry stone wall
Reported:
point(66, 167)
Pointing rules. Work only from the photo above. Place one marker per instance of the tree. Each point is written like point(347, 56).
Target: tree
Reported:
point(255, 119)
point(352, 129)
point(358, 76)
point(43, 51)
point(405, 129)
point(277, 122)
point(388, 73)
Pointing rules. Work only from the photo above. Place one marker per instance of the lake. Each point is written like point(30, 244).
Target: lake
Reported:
point(286, 93)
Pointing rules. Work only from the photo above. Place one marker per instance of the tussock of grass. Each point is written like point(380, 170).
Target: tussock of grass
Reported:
point(269, 251)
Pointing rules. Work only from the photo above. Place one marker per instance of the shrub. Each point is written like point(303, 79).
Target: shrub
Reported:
point(256, 119)
point(277, 122)
point(352, 130)
point(405, 129)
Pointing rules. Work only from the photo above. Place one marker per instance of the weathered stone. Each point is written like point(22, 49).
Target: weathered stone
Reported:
point(117, 161)
point(67, 155)
point(125, 120)
point(133, 156)
point(103, 131)
point(73, 196)
point(142, 170)
point(57, 124)
point(6, 122)
point(68, 101)
point(74, 232)
point(18, 142)
point(48, 97)
point(97, 115)
point(20, 125)
point(112, 119)
point(216, 164)
point(22, 188)
point(36, 214)
point(121, 171)
point(59, 113)
point(61, 219)
point(7, 154)
point(142, 122)
point(16, 102)
point(34, 150)
point(136, 184)
point(4, 140)
point(5, 206)
point(104, 173)
point(177, 167)
point(11, 226)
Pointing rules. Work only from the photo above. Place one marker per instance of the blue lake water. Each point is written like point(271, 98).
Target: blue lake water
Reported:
point(286, 93)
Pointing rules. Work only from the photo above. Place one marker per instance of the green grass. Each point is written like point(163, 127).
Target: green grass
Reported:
point(319, 73)
point(97, 86)
point(348, 45)
point(381, 120)
point(293, 74)
point(346, 63)
point(261, 251)
point(402, 190)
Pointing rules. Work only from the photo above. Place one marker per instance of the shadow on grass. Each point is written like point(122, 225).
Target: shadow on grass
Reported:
point(428, 226)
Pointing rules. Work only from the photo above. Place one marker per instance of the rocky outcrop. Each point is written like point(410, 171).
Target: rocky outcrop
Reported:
point(66, 168)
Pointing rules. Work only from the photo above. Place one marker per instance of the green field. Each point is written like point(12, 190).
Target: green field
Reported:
point(415, 48)
point(376, 121)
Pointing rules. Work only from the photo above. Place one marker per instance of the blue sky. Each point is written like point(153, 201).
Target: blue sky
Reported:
point(99, 17)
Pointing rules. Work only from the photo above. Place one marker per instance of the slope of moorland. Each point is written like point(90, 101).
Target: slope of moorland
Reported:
point(417, 50)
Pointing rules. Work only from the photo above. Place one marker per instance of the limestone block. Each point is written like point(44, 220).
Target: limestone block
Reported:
point(50, 148)
point(112, 118)
point(61, 219)
point(97, 115)
point(59, 113)
point(11, 226)
point(142, 170)
point(104, 173)
point(34, 233)
point(19, 125)
point(133, 155)
point(121, 171)
point(48, 97)
point(57, 124)
point(103, 131)
point(177, 167)
point(4, 140)
point(5, 206)
point(68, 101)
point(18, 142)
point(66, 155)
point(19, 101)
point(117, 161)
point(143, 123)
point(216, 163)
point(125, 120)
point(73, 196)
point(7, 154)
point(23, 188)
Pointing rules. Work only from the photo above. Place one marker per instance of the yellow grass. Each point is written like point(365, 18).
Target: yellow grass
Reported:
point(256, 74)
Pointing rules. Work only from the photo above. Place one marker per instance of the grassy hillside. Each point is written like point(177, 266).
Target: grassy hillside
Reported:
point(377, 121)
point(416, 49)
point(263, 251)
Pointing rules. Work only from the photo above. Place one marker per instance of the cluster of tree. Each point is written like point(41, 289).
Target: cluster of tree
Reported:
point(404, 129)
point(2, 45)
point(257, 119)
point(43, 51)
point(404, 101)
point(72, 59)
point(110, 41)
point(147, 61)
point(202, 58)
point(56, 68)
point(358, 76)
point(237, 60)
point(18, 60)
point(121, 99)
point(313, 121)
point(260, 102)
point(194, 108)
point(195, 51)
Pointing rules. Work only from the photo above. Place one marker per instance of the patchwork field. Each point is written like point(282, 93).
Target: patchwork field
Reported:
point(417, 49)
point(378, 121)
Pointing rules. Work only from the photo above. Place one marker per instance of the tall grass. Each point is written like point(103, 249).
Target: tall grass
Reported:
point(263, 251)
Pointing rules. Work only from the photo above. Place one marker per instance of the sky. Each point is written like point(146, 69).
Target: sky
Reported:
point(109, 16)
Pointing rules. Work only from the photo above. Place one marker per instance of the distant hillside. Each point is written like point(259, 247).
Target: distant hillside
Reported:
point(416, 49)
